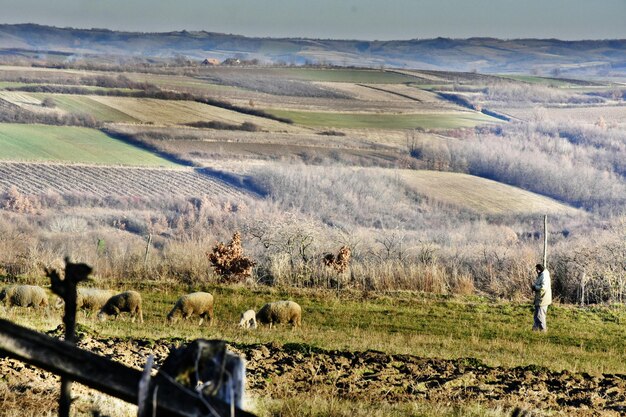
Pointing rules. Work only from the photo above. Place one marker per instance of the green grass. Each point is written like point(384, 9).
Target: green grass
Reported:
point(43, 143)
point(82, 104)
point(385, 121)
point(497, 333)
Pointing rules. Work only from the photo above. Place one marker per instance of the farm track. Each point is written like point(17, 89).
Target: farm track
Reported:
point(102, 181)
point(295, 369)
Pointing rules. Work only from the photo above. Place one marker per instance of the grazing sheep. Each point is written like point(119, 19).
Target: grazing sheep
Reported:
point(248, 320)
point(196, 303)
point(129, 301)
point(280, 312)
point(24, 296)
point(90, 299)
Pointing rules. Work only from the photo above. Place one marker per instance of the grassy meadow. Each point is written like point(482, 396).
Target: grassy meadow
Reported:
point(497, 333)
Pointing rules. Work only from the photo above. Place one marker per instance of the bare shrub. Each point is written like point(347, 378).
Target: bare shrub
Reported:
point(590, 269)
point(546, 160)
point(48, 102)
point(67, 224)
point(15, 201)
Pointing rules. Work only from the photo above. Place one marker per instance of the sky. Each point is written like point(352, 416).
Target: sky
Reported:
point(336, 19)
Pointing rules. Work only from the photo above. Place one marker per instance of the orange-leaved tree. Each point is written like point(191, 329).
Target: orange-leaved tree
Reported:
point(229, 262)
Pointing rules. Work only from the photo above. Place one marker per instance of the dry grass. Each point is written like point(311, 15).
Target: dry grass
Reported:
point(479, 194)
point(613, 115)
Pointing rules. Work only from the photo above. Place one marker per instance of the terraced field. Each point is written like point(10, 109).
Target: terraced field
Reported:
point(20, 142)
point(145, 183)
point(480, 195)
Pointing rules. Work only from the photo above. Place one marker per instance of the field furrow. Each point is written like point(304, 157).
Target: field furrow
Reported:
point(102, 181)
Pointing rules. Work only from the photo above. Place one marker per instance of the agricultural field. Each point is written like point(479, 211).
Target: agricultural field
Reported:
point(448, 120)
point(357, 76)
point(102, 181)
point(41, 143)
point(88, 105)
point(162, 112)
point(480, 195)
point(612, 115)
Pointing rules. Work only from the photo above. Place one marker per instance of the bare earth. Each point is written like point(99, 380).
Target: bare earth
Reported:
point(285, 371)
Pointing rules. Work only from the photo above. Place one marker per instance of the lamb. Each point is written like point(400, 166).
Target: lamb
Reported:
point(280, 312)
point(248, 320)
point(196, 303)
point(24, 296)
point(129, 301)
point(90, 299)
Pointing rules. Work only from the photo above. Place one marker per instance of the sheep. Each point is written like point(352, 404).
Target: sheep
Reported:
point(196, 303)
point(90, 299)
point(248, 320)
point(280, 312)
point(24, 296)
point(129, 301)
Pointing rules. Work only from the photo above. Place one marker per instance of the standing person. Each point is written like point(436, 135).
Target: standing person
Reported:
point(543, 298)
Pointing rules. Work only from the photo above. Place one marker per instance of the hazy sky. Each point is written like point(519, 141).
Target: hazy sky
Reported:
point(339, 19)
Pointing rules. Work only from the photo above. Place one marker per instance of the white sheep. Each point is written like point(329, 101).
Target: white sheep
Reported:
point(24, 296)
point(90, 299)
point(248, 320)
point(196, 303)
point(280, 312)
point(129, 301)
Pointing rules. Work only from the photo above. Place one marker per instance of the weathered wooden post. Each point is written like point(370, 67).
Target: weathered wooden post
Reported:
point(203, 379)
point(66, 289)
point(545, 241)
point(145, 256)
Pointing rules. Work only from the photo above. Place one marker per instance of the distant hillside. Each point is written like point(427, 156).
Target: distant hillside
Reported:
point(486, 55)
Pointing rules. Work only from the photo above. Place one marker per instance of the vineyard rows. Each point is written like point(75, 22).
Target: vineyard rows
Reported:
point(103, 181)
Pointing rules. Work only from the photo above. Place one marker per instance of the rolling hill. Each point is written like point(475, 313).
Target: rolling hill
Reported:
point(486, 55)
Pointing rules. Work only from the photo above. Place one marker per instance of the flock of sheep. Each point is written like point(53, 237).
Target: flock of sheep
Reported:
point(197, 304)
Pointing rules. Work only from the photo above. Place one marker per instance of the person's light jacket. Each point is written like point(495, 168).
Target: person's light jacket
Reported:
point(543, 289)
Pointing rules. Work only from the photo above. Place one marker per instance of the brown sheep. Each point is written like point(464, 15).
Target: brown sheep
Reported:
point(280, 312)
point(196, 303)
point(129, 301)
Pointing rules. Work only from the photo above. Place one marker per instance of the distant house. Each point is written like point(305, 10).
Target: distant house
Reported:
point(211, 62)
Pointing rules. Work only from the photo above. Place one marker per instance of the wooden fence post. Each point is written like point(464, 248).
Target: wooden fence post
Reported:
point(545, 241)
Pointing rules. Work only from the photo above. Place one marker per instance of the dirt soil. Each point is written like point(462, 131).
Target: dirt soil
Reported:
point(286, 370)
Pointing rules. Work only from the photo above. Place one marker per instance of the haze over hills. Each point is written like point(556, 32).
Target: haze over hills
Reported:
point(485, 55)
